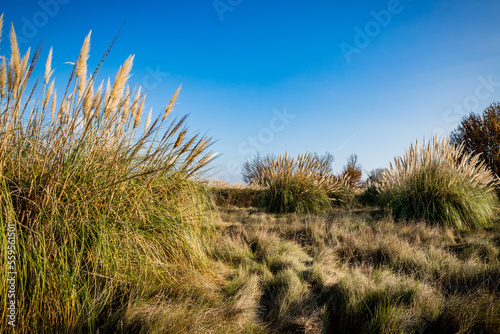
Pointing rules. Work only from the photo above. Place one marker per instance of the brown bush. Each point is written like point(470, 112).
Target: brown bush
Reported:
point(352, 172)
point(480, 133)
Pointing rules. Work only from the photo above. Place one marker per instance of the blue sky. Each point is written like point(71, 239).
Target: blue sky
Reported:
point(363, 77)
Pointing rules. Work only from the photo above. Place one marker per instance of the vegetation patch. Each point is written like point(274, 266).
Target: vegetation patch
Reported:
point(304, 184)
point(104, 209)
point(439, 183)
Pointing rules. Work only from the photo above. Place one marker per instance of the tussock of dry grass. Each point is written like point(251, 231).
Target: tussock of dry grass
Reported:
point(304, 184)
point(439, 183)
point(106, 214)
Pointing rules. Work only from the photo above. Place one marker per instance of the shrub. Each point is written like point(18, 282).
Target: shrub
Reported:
point(103, 212)
point(352, 172)
point(441, 184)
point(301, 184)
point(371, 192)
point(252, 169)
point(481, 134)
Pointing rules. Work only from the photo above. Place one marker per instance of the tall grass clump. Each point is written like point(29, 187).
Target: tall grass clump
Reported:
point(371, 188)
point(440, 183)
point(301, 184)
point(104, 209)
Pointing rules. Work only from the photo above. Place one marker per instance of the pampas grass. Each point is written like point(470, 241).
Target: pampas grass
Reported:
point(106, 215)
point(302, 184)
point(440, 183)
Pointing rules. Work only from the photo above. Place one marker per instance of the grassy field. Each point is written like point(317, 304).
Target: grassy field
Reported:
point(106, 226)
point(355, 271)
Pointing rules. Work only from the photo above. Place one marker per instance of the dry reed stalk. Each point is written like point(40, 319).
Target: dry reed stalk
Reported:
point(137, 116)
point(148, 120)
point(3, 79)
point(15, 58)
point(81, 66)
point(48, 95)
point(170, 106)
point(48, 68)
point(116, 94)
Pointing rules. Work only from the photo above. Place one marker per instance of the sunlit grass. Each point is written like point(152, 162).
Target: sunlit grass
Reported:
point(441, 184)
point(104, 206)
point(346, 272)
point(304, 184)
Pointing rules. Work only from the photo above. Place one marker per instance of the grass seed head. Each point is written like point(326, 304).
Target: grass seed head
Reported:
point(48, 68)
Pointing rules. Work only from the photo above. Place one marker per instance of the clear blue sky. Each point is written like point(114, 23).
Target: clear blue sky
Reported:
point(364, 77)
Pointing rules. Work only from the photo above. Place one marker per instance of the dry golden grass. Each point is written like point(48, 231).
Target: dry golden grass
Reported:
point(304, 184)
point(359, 272)
point(439, 183)
point(444, 153)
point(218, 183)
point(304, 167)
